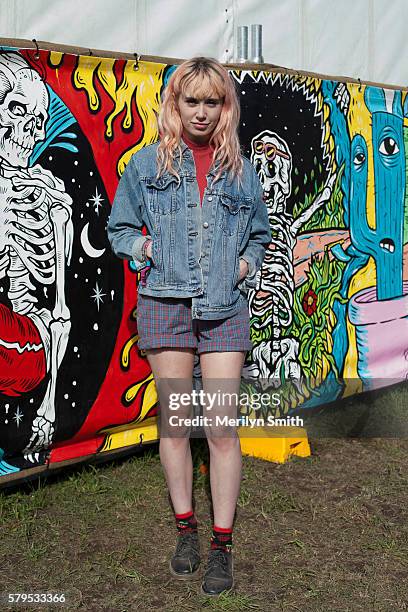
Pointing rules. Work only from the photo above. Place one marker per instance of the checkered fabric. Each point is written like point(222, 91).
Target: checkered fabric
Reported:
point(167, 323)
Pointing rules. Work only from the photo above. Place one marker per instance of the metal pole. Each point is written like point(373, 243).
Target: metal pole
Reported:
point(256, 44)
point(242, 44)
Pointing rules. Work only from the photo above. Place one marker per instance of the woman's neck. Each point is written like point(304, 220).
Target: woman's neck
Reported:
point(195, 145)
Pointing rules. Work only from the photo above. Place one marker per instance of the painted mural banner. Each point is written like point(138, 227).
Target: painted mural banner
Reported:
point(329, 316)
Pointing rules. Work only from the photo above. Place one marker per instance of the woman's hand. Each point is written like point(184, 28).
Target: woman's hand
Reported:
point(243, 269)
point(149, 250)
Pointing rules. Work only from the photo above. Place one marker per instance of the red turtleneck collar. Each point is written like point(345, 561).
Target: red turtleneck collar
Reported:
point(202, 154)
point(196, 146)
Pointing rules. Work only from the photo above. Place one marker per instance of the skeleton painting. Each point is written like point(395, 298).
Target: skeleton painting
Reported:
point(36, 225)
point(273, 162)
point(55, 282)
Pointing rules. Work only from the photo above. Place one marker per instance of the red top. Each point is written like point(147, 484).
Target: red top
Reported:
point(202, 154)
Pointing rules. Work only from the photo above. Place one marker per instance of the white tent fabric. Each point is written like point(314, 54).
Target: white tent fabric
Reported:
point(357, 38)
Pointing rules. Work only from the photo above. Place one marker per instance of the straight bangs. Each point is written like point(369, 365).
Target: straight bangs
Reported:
point(203, 86)
point(204, 78)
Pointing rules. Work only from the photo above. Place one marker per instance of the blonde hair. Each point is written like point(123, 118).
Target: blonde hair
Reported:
point(207, 77)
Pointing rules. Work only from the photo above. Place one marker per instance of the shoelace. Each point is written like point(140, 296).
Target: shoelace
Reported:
point(189, 540)
point(217, 558)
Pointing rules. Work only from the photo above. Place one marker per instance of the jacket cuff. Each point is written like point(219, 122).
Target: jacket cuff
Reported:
point(137, 254)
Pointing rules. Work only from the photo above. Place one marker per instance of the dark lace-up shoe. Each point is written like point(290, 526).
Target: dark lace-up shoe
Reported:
point(184, 564)
point(218, 576)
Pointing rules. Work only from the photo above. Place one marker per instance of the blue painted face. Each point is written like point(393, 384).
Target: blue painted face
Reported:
point(385, 242)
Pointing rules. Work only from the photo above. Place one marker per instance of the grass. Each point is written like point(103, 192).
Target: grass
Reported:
point(328, 532)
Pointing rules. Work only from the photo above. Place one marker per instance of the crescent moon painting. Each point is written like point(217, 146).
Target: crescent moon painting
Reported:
point(86, 245)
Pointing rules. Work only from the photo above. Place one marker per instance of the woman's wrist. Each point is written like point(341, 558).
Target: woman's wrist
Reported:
point(145, 246)
point(241, 259)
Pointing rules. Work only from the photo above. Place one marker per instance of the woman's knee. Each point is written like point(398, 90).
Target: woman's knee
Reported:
point(223, 440)
point(175, 442)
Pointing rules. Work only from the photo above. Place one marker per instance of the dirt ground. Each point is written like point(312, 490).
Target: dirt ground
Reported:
point(325, 533)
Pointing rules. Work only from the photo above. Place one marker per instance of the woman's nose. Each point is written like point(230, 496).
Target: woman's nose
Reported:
point(201, 111)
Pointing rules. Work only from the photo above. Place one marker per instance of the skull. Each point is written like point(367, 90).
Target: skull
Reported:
point(273, 163)
point(23, 109)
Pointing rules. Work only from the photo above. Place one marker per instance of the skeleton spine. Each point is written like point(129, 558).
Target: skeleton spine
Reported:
point(20, 285)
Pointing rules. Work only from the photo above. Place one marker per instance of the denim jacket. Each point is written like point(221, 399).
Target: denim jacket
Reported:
point(195, 249)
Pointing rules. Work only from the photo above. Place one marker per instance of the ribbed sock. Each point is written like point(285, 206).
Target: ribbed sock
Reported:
point(186, 523)
point(221, 538)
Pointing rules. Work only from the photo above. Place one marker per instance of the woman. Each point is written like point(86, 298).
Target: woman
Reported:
point(208, 229)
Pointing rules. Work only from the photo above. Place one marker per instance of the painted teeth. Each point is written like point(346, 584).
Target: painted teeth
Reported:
point(20, 145)
point(342, 97)
point(388, 245)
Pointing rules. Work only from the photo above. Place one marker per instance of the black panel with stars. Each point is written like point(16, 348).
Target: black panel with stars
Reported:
point(288, 113)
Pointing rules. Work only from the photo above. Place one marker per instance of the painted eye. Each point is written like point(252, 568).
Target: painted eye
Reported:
point(389, 146)
point(359, 159)
point(17, 108)
point(271, 169)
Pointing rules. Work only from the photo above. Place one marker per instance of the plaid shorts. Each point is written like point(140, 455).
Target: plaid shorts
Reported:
point(167, 323)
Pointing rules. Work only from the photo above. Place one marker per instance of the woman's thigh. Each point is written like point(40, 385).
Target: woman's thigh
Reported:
point(225, 365)
point(173, 373)
point(221, 376)
point(171, 363)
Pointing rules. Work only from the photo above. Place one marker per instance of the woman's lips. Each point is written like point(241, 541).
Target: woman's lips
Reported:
point(200, 126)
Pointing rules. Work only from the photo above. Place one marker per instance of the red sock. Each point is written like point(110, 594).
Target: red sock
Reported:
point(221, 538)
point(186, 522)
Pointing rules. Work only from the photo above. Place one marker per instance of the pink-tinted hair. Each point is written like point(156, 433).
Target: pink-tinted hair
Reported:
point(205, 78)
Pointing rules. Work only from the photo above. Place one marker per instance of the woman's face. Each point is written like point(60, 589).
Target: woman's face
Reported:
point(199, 116)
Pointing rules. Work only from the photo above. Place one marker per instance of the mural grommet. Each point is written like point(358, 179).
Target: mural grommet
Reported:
point(37, 50)
point(136, 64)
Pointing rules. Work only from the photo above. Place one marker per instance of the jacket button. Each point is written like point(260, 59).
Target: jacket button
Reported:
point(210, 199)
point(205, 224)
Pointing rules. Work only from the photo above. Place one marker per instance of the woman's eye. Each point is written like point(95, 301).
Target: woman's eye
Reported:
point(359, 159)
point(389, 146)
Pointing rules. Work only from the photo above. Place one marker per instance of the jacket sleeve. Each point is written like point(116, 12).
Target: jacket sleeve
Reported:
point(260, 236)
point(125, 221)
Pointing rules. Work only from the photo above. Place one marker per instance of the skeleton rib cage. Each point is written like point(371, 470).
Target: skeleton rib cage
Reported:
point(31, 250)
point(277, 278)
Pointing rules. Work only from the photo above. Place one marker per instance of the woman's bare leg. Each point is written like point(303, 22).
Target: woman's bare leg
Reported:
point(175, 452)
point(225, 452)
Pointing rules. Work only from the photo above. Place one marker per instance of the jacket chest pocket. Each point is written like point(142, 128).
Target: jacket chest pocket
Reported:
point(162, 194)
point(235, 213)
